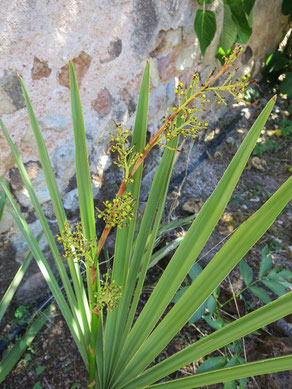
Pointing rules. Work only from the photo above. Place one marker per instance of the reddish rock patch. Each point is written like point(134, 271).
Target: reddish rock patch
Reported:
point(81, 65)
point(40, 69)
point(103, 103)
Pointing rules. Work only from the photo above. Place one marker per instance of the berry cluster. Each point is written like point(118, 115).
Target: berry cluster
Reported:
point(119, 212)
point(108, 295)
point(126, 156)
point(76, 246)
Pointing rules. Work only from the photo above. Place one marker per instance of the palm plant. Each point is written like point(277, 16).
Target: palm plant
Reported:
point(117, 348)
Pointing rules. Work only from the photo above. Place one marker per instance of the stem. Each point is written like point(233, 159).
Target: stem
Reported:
point(153, 142)
point(239, 293)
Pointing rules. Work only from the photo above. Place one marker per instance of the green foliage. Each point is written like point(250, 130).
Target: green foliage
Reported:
point(286, 7)
point(205, 28)
point(116, 345)
point(283, 130)
point(236, 27)
point(2, 203)
point(277, 71)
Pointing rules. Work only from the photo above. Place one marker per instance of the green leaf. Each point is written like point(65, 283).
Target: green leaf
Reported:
point(286, 275)
point(12, 356)
point(184, 258)
point(205, 28)
point(238, 15)
point(286, 86)
point(37, 385)
point(199, 313)
point(246, 272)
point(6, 299)
point(40, 369)
point(239, 328)
point(2, 204)
point(212, 304)
point(248, 6)
point(266, 263)
point(260, 293)
point(286, 7)
point(223, 262)
point(216, 324)
point(229, 30)
point(230, 385)
point(211, 364)
point(196, 269)
point(202, 2)
point(179, 294)
point(81, 160)
point(45, 161)
point(275, 287)
point(228, 374)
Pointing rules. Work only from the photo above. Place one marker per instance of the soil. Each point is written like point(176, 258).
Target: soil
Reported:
point(53, 361)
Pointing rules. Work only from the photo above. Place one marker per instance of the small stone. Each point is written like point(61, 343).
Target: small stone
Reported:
point(185, 58)
point(193, 206)
point(114, 50)
point(55, 122)
point(40, 69)
point(129, 101)
point(7, 221)
point(154, 74)
point(103, 103)
point(37, 178)
point(166, 67)
point(174, 37)
point(11, 86)
point(81, 65)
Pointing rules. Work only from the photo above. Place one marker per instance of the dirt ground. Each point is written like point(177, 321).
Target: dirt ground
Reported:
point(53, 361)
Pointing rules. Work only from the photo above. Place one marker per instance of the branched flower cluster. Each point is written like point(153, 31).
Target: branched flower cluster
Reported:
point(126, 156)
point(187, 123)
point(235, 88)
point(76, 246)
point(119, 212)
point(193, 99)
point(108, 295)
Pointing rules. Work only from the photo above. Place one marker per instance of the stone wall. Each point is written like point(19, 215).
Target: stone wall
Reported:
point(109, 42)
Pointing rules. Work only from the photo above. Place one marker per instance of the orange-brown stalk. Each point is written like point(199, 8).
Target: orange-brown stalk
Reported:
point(152, 143)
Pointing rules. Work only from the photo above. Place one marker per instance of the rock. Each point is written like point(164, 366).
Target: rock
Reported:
point(129, 101)
point(81, 65)
point(185, 58)
point(193, 206)
point(172, 6)
point(6, 103)
point(37, 178)
point(113, 51)
point(55, 122)
point(154, 74)
point(166, 67)
point(11, 92)
point(63, 162)
point(70, 201)
point(7, 222)
point(35, 286)
point(174, 37)
point(145, 25)
point(103, 103)
point(40, 69)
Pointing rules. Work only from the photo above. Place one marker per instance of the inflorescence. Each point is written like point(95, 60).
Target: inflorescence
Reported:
point(109, 294)
point(126, 155)
point(76, 246)
point(192, 99)
point(119, 212)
